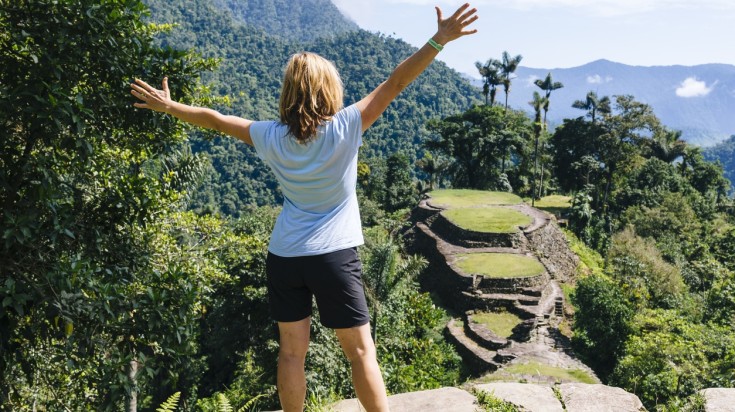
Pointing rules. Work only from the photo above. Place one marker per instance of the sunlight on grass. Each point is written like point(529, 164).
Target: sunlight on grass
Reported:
point(488, 220)
point(530, 370)
point(449, 198)
point(590, 261)
point(499, 265)
point(500, 323)
point(554, 204)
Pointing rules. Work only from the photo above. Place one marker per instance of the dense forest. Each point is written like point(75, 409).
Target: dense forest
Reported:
point(725, 154)
point(133, 248)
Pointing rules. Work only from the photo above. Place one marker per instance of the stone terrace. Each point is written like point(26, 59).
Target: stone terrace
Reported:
point(535, 299)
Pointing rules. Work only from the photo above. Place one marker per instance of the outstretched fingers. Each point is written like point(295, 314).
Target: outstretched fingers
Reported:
point(459, 11)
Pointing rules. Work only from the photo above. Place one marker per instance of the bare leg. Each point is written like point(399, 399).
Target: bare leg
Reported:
point(360, 351)
point(294, 341)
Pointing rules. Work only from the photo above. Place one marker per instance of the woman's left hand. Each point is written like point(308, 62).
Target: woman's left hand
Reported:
point(152, 98)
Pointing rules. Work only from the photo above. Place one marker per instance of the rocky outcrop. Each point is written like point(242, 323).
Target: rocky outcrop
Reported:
point(719, 399)
point(572, 397)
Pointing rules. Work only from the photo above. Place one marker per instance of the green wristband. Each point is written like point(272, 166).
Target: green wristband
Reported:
point(436, 45)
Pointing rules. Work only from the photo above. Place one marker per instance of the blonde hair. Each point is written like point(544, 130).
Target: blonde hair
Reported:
point(312, 93)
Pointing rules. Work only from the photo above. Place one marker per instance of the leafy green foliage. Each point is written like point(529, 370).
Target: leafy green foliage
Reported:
point(491, 403)
point(85, 185)
point(670, 357)
point(170, 404)
point(725, 154)
point(484, 143)
point(601, 322)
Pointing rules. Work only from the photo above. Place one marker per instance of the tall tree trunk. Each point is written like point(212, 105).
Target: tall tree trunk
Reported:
point(535, 171)
point(133, 395)
point(541, 183)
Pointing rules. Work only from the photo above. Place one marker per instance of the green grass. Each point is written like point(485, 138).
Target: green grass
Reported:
point(499, 265)
point(450, 198)
point(554, 204)
point(527, 372)
point(501, 323)
point(491, 403)
point(488, 220)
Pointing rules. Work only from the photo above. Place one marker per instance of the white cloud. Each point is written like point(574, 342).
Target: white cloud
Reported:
point(597, 79)
point(531, 79)
point(691, 87)
point(599, 7)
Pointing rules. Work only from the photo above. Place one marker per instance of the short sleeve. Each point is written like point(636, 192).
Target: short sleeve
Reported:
point(351, 120)
point(259, 136)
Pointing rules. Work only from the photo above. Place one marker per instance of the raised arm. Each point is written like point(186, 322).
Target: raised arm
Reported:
point(160, 101)
point(452, 28)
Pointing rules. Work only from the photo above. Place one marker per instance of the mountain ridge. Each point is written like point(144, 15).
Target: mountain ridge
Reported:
point(699, 100)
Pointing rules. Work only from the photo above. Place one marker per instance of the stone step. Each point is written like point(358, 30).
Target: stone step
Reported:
point(478, 359)
point(484, 336)
point(512, 297)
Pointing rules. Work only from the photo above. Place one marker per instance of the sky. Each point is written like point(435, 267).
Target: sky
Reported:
point(553, 34)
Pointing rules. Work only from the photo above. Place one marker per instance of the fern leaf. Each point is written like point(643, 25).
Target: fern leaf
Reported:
point(223, 405)
point(170, 404)
point(251, 403)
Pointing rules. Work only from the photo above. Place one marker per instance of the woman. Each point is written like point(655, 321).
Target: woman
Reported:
point(313, 153)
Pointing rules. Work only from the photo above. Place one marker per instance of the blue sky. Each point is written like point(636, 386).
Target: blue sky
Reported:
point(566, 33)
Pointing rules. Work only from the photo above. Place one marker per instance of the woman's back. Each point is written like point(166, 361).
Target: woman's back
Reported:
point(320, 212)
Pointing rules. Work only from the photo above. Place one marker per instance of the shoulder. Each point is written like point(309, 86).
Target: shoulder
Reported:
point(350, 115)
point(262, 133)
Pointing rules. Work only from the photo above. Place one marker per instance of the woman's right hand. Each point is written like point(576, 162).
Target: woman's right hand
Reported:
point(453, 27)
point(152, 98)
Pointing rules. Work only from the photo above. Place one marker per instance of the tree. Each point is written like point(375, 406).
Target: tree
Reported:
point(601, 322)
point(537, 103)
point(667, 145)
point(432, 167)
point(400, 192)
point(490, 73)
point(481, 142)
point(548, 86)
point(593, 105)
point(85, 183)
point(508, 66)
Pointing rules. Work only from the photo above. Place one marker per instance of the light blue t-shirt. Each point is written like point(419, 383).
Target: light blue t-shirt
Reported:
point(318, 179)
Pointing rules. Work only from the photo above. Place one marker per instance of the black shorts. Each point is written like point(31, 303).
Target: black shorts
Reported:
point(334, 279)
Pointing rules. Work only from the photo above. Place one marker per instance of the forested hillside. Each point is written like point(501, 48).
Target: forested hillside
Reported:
point(725, 154)
point(249, 75)
point(302, 20)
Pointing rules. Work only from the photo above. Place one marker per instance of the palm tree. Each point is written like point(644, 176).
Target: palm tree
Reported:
point(507, 67)
point(547, 85)
point(538, 103)
point(386, 269)
point(593, 105)
point(668, 145)
point(431, 167)
point(490, 79)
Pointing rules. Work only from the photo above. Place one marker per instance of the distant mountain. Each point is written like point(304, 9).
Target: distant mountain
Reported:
point(699, 100)
point(302, 20)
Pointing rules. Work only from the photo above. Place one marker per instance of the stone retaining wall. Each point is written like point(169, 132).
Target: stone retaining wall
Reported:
point(513, 284)
point(471, 239)
point(550, 246)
